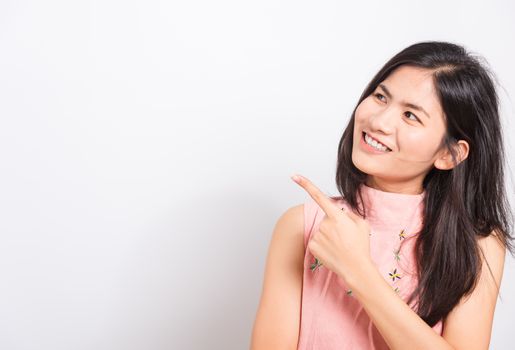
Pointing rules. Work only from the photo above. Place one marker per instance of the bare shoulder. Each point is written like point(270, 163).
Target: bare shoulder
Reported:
point(469, 324)
point(292, 219)
point(493, 254)
point(277, 321)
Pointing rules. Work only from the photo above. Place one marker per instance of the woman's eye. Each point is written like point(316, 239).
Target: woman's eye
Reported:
point(377, 94)
point(416, 118)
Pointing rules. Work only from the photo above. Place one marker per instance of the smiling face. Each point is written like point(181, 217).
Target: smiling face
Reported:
point(404, 114)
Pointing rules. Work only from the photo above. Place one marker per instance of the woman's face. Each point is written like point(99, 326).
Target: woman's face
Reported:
point(412, 135)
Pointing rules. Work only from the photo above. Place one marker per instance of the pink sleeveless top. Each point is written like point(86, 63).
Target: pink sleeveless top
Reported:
point(331, 318)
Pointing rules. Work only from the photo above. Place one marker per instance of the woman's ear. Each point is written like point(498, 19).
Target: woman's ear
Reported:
point(444, 161)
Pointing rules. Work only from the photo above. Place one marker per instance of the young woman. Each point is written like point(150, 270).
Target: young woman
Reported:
point(411, 255)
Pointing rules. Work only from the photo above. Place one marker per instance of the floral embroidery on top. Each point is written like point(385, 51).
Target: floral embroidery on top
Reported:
point(315, 265)
point(394, 274)
point(396, 254)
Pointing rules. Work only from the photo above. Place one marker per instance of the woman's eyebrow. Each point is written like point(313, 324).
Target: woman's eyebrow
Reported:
point(407, 104)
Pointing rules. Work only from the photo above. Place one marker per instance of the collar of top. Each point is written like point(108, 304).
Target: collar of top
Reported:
point(391, 207)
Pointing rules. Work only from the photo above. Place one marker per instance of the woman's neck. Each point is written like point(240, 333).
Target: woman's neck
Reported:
point(410, 187)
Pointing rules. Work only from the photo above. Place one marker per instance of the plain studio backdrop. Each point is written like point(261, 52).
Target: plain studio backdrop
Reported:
point(146, 149)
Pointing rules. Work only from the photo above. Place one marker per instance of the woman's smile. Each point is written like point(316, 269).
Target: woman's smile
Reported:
point(371, 145)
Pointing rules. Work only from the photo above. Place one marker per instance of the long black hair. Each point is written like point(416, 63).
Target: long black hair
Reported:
point(463, 203)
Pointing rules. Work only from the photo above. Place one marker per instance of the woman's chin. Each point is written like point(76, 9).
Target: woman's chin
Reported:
point(367, 166)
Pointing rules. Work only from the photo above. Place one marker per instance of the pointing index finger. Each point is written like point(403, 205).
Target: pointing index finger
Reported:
point(329, 208)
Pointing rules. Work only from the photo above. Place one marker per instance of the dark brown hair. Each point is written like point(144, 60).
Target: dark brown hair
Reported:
point(463, 203)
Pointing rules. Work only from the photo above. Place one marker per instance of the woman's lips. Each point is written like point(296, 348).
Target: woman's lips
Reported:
point(375, 139)
point(369, 148)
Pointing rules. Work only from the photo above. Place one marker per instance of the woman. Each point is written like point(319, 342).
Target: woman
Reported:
point(411, 255)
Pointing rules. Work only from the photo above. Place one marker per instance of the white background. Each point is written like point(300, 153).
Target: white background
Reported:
point(146, 149)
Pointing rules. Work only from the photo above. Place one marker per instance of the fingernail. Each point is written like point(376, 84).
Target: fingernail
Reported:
point(296, 178)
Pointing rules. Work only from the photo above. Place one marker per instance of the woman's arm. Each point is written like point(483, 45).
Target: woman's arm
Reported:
point(278, 317)
point(468, 326)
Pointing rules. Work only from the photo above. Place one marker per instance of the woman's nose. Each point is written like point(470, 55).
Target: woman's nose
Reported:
point(384, 121)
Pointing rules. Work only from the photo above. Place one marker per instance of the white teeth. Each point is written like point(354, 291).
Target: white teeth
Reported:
point(375, 144)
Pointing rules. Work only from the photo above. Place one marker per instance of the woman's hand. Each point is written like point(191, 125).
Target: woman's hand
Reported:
point(342, 243)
